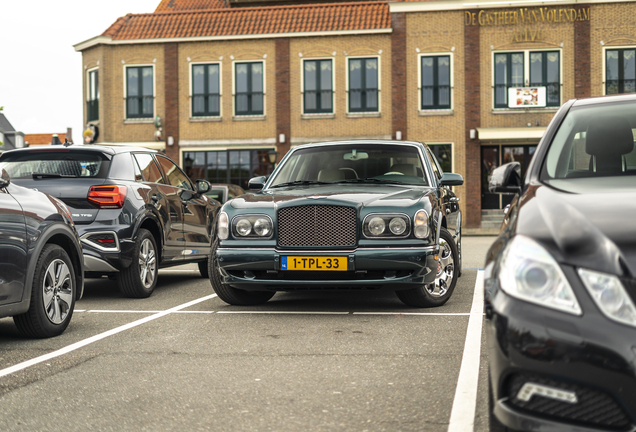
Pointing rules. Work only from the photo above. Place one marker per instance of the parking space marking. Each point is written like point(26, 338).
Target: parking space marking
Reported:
point(284, 312)
point(414, 313)
point(90, 340)
point(462, 418)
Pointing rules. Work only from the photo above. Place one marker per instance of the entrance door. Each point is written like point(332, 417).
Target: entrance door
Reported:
point(494, 156)
point(489, 161)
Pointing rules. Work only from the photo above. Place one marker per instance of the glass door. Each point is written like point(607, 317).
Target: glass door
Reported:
point(489, 161)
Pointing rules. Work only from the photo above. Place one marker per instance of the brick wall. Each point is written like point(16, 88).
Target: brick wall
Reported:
point(398, 74)
point(283, 122)
point(171, 120)
point(582, 66)
point(472, 86)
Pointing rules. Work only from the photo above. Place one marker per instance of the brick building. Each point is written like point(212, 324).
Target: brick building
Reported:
point(219, 83)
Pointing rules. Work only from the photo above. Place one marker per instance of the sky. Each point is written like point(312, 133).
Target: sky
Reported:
point(40, 71)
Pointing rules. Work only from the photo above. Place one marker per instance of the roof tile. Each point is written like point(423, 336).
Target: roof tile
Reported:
point(372, 15)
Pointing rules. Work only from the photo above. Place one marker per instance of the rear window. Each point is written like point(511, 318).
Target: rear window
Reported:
point(55, 163)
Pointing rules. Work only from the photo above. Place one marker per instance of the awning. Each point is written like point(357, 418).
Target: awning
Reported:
point(518, 134)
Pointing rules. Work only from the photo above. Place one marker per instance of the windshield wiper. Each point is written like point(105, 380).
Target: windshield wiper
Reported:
point(300, 182)
point(371, 180)
point(51, 175)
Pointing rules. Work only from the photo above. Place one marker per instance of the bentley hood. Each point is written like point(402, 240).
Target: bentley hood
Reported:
point(364, 195)
point(583, 225)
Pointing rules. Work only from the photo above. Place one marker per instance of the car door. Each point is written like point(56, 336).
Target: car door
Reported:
point(447, 198)
point(166, 201)
point(194, 207)
point(13, 249)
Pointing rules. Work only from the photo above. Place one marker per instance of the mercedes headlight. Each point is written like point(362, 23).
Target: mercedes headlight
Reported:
point(528, 272)
point(610, 296)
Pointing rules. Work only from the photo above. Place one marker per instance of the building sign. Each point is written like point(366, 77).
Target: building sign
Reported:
point(526, 97)
point(526, 16)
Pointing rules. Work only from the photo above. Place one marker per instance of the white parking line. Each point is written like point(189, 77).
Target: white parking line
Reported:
point(283, 312)
point(276, 312)
point(413, 313)
point(90, 340)
point(462, 418)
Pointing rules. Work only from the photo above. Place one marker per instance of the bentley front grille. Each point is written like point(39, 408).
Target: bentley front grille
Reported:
point(317, 225)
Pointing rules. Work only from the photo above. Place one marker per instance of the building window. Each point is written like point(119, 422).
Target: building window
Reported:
point(249, 88)
point(318, 86)
point(227, 166)
point(435, 82)
point(528, 68)
point(139, 92)
point(206, 90)
point(92, 104)
point(363, 85)
point(620, 71)
point(444, 155)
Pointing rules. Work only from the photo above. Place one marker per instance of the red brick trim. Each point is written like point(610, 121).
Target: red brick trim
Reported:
point(398, 73)
point(582, 63)
point(283, 115)
point(171, 90)
point(472, 182)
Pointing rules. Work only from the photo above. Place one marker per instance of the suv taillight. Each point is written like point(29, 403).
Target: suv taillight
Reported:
point(107, 196)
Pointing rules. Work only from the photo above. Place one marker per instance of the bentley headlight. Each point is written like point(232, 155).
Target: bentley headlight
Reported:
point(528, 272)
point(243, 227)
point(376, 226)
point(224, 226)
point(263, 227)
point(420, 224)
point(610, 296)
point(386, 226)
point(397, 226)
point(252, 226)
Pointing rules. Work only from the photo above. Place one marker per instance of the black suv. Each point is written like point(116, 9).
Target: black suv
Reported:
point(41, 270)
point(134, 208)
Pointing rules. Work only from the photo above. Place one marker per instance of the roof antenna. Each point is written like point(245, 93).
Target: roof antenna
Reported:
point(66, 143)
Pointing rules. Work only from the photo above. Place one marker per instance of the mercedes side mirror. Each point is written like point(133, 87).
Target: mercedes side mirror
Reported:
point(506, 179)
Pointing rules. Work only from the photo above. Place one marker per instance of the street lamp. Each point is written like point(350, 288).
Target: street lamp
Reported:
point(272, 155)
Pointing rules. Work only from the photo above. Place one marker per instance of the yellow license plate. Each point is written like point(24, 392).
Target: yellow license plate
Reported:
point(321, 263)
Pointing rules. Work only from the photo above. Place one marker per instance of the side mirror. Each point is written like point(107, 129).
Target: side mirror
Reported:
point(203, 186)
point(506, 179)
point(452, 179)
point(257, 182)
point(5, 180)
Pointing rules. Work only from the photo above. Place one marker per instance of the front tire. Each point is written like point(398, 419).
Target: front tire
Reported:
point(140, 278)
point(437, 293)
point(231, 295)
point(52, 295)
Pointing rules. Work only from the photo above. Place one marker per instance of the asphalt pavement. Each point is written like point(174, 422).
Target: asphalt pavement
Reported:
point(184, 360)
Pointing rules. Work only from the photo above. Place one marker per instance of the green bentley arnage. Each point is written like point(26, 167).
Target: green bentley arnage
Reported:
point(352, 214)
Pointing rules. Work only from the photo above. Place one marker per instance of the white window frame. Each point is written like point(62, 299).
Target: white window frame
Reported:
point(333, 87)
point(191, 83)
point(363, 113)
point(88, 88)
point(249, 116)
point(526, 76)
point(604, 71)
point(419, 83)
point(154, 94)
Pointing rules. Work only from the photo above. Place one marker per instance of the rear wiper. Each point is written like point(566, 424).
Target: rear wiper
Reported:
point(370, 180)
point(36, 175)
point(301, 182)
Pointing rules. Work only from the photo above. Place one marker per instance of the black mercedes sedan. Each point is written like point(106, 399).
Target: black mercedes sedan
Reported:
point(560, 280)
point(41, 267)
point(364, 215)
point(134, 208)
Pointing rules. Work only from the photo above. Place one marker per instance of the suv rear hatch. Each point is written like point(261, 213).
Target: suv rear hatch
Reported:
point(64, 173)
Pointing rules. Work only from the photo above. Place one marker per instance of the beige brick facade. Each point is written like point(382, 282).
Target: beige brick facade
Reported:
point(572, 29)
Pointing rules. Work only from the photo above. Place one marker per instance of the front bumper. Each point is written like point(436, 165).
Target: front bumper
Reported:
point(368, 268)
point(587, 356)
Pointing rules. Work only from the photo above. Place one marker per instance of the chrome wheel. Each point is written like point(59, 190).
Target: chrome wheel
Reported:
point(147, 263)
point(445, 270)
point(57, 291)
